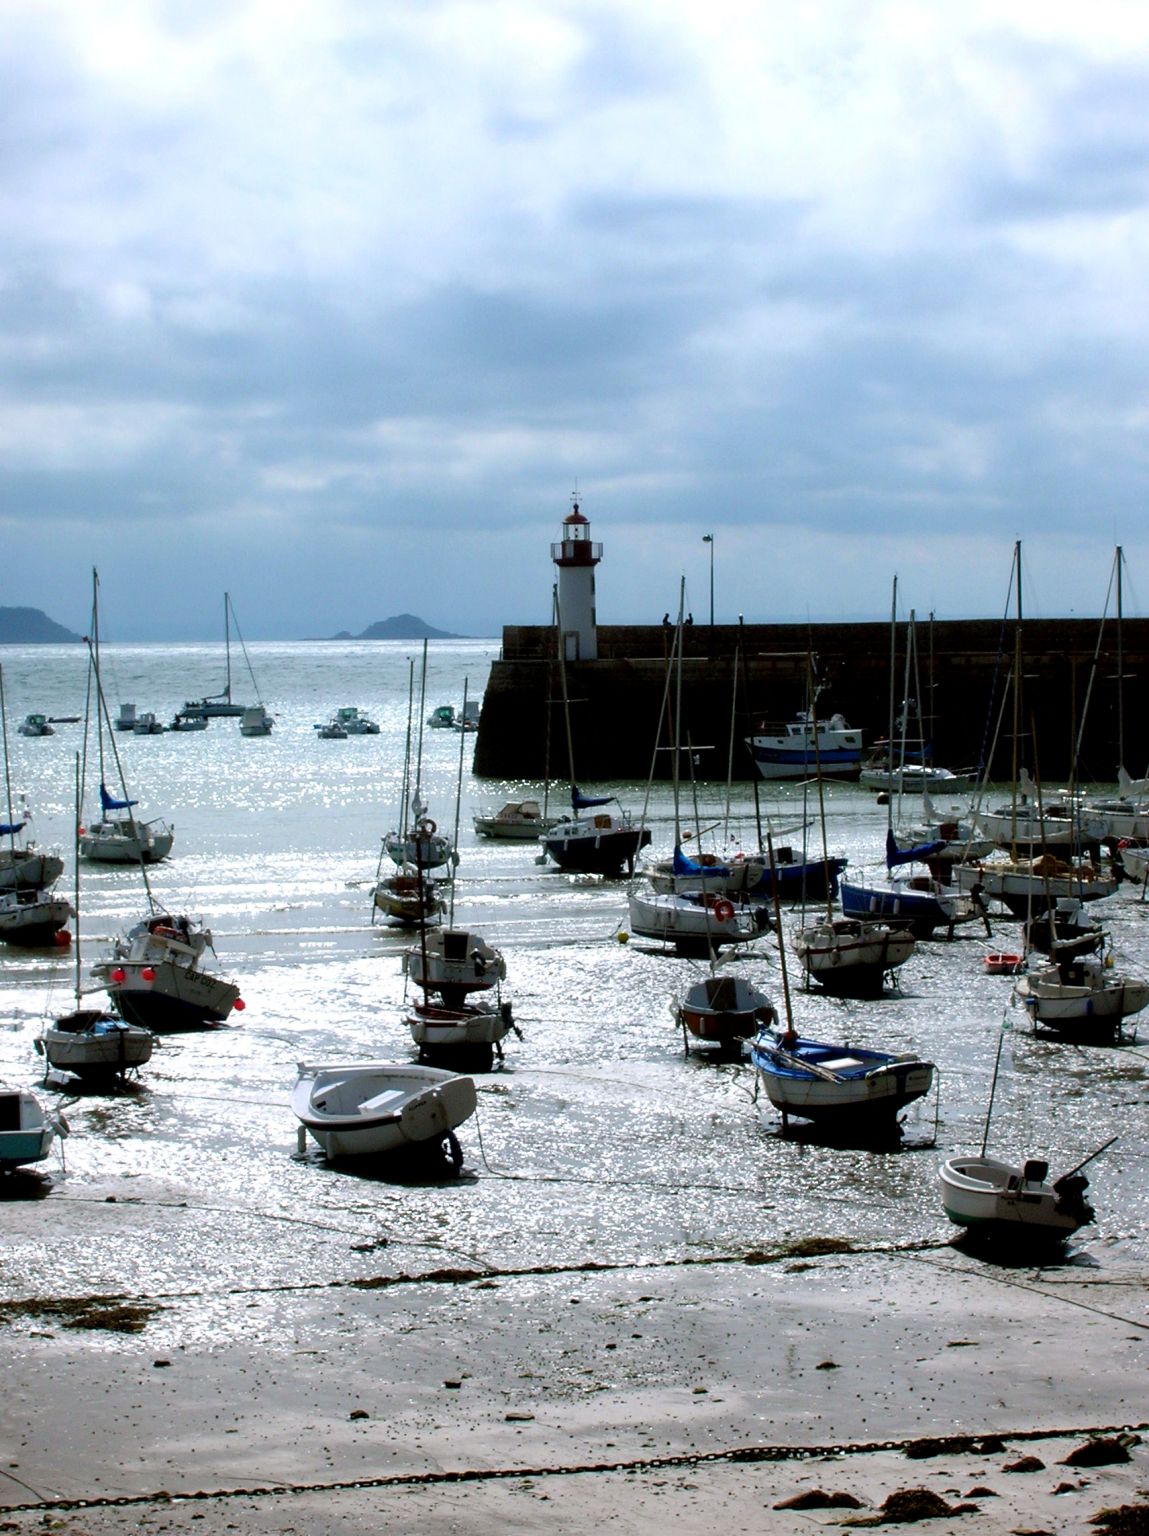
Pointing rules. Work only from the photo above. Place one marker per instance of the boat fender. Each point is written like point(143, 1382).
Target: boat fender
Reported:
point(723, 911)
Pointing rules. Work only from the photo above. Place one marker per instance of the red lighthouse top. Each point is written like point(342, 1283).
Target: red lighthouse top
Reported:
point(576, 547)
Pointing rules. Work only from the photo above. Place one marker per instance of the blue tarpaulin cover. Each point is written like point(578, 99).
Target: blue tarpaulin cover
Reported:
point(687, 866)
point(583, 802)
point(896, 855)
point(111, 804)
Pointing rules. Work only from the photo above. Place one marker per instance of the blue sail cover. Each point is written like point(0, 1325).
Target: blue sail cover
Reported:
point(7, 830)
point(685, 866)
point(583, 802)
point(110, 804)
point(896, 855)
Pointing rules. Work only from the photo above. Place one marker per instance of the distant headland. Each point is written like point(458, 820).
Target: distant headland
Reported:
point(31, 626)
point(403, 626)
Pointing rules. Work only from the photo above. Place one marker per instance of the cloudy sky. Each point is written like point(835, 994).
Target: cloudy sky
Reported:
point(333, 303)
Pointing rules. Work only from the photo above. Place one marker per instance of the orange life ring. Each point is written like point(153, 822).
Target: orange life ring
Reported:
point(427, 828)
point(723, 910)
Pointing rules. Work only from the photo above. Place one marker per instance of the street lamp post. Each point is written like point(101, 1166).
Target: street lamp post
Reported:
point(708, 538)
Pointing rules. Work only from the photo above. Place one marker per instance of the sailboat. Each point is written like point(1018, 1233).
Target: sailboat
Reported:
point(902, 763)
point(701, 920)
point(116, 836)
point(22, 863)
point(197, 712)
point(720, 1011)
point(849, 956)
point(454, 962)
point(409, 895)
point(456, 1023)
point(847, 1089)
point(598, 844)
point(28, 914)
point(92, 1043)
point(416, 841)
point(1082, 996)
point(917, 901)
point(1124, 818)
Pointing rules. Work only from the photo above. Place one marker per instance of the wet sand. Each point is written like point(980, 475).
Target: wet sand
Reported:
point(684, 1394)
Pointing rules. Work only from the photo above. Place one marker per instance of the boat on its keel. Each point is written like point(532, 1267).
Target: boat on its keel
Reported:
point(95, 1046)
point(156, 976)
point(378, 1109)
point(719, 1012)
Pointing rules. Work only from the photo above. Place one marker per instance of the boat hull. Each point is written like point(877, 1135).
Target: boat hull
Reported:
point(26, 920)
point(922, 912)
point(588, 850)
point(997, 1199)
point(468, 1035)
point(28, 869)
point(864, 1088)
point(91, 1045)
point(26, 1132)
point(114, 843)
point(1097, 1005)
point(1029, 887)
point(694, 927)
point(408, 900)
point(851, 958)
point(720, 1012)
point(516, 822)
point(370, 1109)
point(177, 998)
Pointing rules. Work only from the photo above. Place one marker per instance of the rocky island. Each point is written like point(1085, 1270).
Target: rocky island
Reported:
point(402, 626)
point(31, 626)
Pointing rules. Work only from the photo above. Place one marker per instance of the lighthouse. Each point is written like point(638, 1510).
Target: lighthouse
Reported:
point(576, 557)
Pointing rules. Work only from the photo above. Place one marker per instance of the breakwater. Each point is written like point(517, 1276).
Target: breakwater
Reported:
point(736, 678)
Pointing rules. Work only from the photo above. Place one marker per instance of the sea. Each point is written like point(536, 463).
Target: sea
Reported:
point(598, 1139)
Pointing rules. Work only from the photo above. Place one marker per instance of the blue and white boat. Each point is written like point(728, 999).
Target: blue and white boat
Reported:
point(805, 747)
point(845, 1086)
point(918, 901)
point(750, 875)
point(26, 1131)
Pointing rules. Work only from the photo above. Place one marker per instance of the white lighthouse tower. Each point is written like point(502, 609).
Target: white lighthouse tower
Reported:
point(576, 558)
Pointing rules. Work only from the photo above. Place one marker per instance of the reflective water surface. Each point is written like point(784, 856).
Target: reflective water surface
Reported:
point(597, 1141)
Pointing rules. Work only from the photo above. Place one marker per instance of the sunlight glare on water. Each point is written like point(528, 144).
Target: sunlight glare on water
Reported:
point(598, 1140)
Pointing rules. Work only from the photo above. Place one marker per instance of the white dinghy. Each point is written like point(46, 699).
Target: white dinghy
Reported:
point(367, 1109)
point(1013, 1202)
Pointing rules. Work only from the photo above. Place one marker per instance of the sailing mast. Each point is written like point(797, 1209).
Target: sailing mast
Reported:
point(1119, 560)
point(227, 644)
point(11, 827)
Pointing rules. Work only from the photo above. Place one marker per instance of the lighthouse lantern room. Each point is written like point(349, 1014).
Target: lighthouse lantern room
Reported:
point(576, 557)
